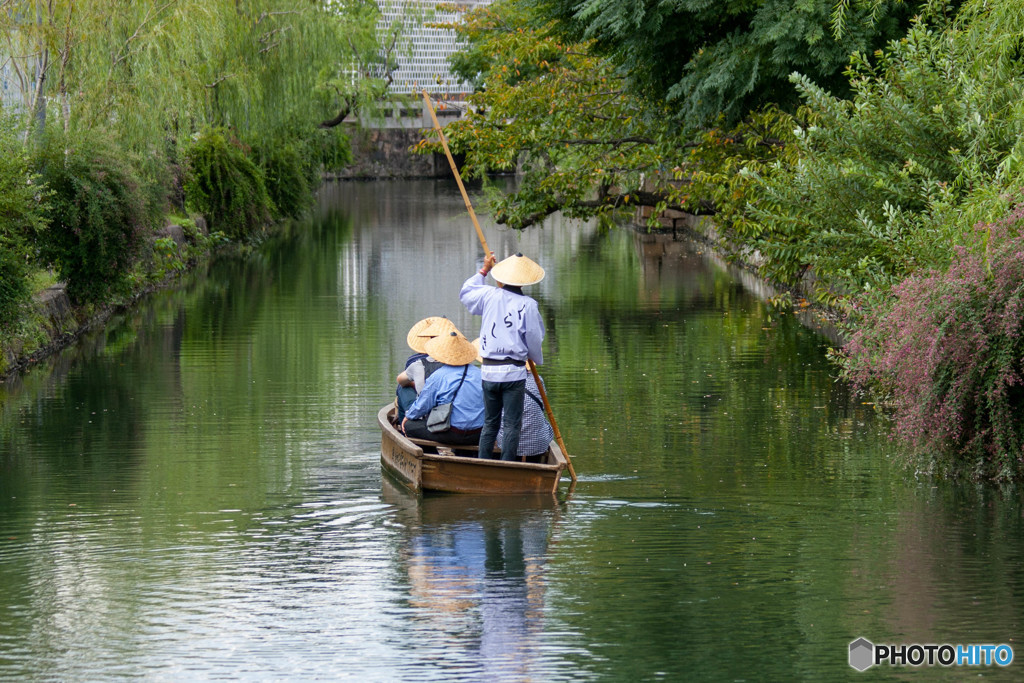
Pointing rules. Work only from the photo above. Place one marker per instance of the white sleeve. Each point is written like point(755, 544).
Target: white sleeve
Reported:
point(417, 374)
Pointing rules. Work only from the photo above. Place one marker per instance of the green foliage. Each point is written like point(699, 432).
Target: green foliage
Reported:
point(22, 197)
point(374, 48)
point(97, 216)
point(532, 51)
point(22, 202)
point(707, 59)
point(559, 115)
point(880, 186)
point(14, 287)
point(293, 162)
point(585, 145)
point(135, 81)
point(153, 72)
point(225, 185)
point(167, 258)
point(857, 191)
point(330, 149)
point(270, 66)
point(723, 165)
point(287, 176)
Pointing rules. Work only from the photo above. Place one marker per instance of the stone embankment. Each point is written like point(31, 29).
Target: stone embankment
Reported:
point(385, 153)
point(56, 323)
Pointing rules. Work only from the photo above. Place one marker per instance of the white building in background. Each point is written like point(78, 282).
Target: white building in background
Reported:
point(11, 94)
point(423, 57)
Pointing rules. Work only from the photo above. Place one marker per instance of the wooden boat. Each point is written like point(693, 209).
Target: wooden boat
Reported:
point(430, 466)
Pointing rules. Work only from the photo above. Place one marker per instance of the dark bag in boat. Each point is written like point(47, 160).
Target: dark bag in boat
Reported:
point(439, 419)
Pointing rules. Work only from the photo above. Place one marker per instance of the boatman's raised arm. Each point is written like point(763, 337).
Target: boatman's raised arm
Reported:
point(511, 325)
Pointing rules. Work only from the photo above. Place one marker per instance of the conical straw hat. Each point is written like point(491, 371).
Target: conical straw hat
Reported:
point(440, 326)
point(452, 349)
point(517, 271)
point(416, 339)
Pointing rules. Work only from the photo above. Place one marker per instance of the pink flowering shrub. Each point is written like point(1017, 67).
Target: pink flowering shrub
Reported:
point(949, 351)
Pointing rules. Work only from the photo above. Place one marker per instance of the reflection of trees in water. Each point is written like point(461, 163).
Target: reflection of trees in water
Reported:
point(661, 351)
point(943, 567)
point(212, 348)
point(85, 420)
point(422, 247)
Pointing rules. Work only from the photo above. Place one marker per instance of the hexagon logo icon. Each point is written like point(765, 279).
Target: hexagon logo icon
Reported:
point(862, 654)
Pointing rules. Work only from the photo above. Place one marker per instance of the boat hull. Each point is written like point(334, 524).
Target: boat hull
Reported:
point(426, 466)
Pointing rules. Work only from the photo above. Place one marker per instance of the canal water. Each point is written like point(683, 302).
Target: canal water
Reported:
point(195, 493)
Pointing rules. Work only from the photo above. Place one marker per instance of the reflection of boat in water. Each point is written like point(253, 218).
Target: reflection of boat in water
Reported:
point(430, 466)
point(475, 567)
point(443, 508)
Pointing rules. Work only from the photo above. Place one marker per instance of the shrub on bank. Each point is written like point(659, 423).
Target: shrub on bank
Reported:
point(14, 289)
point(292, 164)
point(950, 350)
point(98, 216)
point(22, 201)
point(223, 184)
point(287, 175)
point(330, 148)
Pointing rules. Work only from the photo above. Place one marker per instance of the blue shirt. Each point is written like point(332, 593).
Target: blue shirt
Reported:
point(511, 327)
point(468, 411)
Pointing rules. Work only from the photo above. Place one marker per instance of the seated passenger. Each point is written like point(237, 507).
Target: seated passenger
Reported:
point(457, 382)
point(418, 366)
point(536, 432)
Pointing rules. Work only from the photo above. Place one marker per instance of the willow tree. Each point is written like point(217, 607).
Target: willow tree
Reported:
point(155, 68)
point(377, 37)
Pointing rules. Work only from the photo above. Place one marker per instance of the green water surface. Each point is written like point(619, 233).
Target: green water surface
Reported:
point(194, 492)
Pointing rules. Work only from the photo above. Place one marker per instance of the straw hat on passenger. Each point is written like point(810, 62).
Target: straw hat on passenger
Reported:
point(416, 339)
point(452, 349)
point(517, 271)
point(441, 325)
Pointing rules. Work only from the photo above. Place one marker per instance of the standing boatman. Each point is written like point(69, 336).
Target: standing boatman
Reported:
point(510, 333)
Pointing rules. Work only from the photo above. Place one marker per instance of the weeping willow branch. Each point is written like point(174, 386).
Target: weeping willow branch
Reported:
point(150, 15)
point(267, 15)
point(219, 81)
point(349, 103)
point(265, 38)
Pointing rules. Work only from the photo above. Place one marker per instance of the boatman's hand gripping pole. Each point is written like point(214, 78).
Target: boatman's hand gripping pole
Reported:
point(483, 242)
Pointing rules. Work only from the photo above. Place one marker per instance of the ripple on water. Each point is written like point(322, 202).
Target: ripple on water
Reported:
point(200, 497)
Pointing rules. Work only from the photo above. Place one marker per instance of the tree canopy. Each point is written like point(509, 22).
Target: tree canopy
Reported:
point(557, 113)
point(585, 144)
point(711, 59)
point(864, 159)
point(147, 68)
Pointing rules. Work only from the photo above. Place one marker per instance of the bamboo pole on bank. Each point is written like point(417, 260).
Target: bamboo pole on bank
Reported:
point(487, 250)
